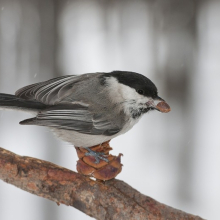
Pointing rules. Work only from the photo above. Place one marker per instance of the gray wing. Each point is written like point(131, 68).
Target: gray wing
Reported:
point(67, 90)
point(51, 91)
point(75, 117)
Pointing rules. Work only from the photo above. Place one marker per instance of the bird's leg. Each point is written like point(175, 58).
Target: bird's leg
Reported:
point(98, 155)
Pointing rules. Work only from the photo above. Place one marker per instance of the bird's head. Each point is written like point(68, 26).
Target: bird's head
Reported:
point(135, 92)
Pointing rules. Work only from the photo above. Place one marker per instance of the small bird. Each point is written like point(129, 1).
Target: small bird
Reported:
point(89, 109)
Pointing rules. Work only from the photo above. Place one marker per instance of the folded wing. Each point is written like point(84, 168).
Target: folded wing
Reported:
point(49, 92)
point(74, 117)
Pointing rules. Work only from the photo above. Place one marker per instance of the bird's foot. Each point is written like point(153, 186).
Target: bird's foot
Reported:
point(98, 155)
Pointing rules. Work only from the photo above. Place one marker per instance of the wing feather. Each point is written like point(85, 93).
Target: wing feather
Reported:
point(48, 92)
point(74, 117)
point(68, 107)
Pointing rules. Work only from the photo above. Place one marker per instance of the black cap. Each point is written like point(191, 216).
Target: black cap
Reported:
point(140, 83)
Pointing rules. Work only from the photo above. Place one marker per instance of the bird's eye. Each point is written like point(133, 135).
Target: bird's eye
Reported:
point(140, 91)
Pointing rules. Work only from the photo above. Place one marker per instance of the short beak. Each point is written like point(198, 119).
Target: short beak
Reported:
point(160, 105)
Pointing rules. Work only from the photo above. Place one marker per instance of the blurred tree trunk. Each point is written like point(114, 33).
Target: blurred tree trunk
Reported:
point(49, 12)
point(28, 53)
point(175, 26)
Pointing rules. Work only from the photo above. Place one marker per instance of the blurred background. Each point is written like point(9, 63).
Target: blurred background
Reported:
point(175, 157)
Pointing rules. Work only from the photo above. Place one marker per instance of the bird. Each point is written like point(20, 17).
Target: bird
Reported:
point(89, 109)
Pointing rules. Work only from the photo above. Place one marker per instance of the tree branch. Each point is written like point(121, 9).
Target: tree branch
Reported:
point(112, 199)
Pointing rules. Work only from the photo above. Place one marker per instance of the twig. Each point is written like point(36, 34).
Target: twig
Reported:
point(112, 199)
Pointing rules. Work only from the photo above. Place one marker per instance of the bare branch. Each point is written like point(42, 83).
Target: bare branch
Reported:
point(112, 199)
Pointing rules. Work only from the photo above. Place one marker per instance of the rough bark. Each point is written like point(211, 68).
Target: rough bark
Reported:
point(112, 199)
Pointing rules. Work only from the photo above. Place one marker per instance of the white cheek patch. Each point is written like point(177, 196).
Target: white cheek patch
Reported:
point(122, 94)
point(119, 92)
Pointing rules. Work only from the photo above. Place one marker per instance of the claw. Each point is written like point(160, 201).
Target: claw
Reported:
point(97, 155)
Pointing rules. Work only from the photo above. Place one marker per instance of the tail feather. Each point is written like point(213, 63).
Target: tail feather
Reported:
point(13, 102)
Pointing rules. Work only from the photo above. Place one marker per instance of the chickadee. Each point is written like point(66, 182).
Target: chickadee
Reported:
point(89, 109)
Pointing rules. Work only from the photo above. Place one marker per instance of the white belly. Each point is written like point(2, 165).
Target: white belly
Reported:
point(87, 140)
point(79, 139)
